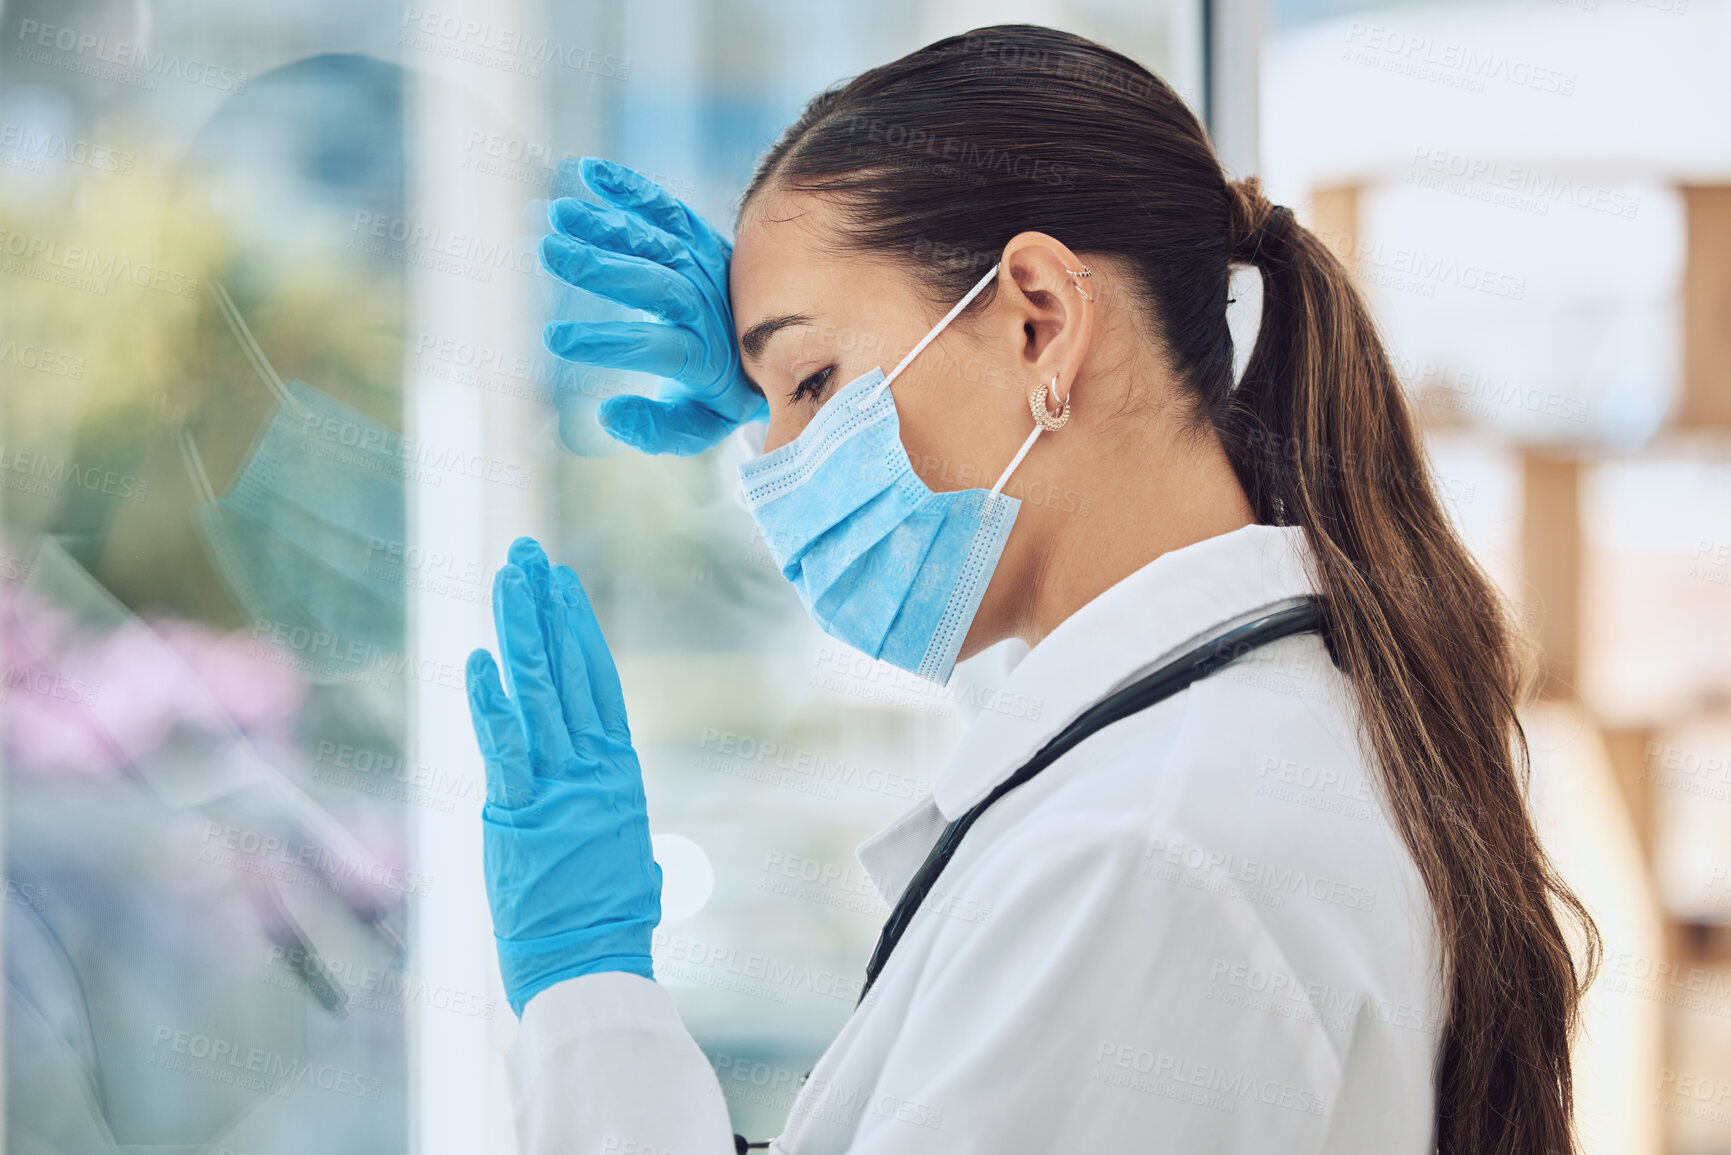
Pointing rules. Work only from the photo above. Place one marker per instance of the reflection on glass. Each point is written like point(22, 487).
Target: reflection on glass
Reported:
point(202, 629)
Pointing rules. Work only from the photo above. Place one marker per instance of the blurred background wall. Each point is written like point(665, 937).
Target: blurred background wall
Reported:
point(273, 402)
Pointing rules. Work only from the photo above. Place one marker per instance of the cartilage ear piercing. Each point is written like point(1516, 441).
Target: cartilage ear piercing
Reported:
point(1039, 406)
point(1084, 271)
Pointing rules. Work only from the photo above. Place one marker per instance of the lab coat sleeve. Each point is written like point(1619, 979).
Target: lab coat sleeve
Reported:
point(603, 1064)
point(1066, 1004)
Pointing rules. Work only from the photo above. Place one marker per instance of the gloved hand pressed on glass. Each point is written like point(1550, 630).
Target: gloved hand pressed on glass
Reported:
point(646, 249)
point(571, 879)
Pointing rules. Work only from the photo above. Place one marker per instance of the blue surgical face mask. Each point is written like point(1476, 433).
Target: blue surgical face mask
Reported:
point(880, 561)
point(302, 534)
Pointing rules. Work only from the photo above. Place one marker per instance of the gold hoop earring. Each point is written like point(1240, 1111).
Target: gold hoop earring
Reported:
point(1038, 406)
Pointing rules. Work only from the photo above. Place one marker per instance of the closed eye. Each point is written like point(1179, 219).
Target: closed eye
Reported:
point(812, 386)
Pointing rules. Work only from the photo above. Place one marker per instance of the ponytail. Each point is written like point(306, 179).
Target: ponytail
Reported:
point(1320, 435)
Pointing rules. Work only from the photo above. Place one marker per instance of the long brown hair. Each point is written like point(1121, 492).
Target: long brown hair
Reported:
point(940, 157)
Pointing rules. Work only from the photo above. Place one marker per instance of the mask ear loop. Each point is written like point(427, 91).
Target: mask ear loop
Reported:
point(261, 365)
point(189, 457)
point(1016, 460)
point(1044, 419)
point(225, 308)
point(979, 287)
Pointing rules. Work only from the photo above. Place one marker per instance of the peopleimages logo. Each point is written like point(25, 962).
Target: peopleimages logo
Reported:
point(781, 764)
point(254, 1068)
point(44, 476)
point(1527, 188)
point(498, 46)
point(89, 52)
point(21, 142)
point(236, 846)
point(40, 257)
point(1451, 64)
point(1258, 879)
point(41, 359)
point(1206, 1084)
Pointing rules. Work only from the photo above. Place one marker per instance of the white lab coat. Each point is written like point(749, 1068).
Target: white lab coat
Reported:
point(1196, 932)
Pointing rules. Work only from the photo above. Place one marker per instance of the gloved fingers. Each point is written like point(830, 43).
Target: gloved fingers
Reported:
point(568, 659)
point(617, 231)
point(682, 427)
point(499, 733)
point(528, 674)
point(527, 555)
point(635, 346)
point(629, 280)
point(634, 192)
point(607, 696)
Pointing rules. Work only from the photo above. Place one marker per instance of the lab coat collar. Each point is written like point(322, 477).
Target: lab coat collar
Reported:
point(1170, 604)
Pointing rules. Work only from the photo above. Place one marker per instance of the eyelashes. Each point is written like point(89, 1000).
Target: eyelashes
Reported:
point(812, 386)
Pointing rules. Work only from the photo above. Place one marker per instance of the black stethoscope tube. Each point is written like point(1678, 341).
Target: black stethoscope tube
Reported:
point(1174, 676)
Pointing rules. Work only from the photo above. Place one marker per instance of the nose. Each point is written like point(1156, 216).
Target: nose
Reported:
point(785, 423)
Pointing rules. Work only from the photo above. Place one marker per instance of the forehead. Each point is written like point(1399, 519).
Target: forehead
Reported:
point(787, 258)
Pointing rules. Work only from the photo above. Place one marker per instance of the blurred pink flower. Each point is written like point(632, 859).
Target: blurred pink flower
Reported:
point(81, 703)
point(45, 717)
point(260, 696)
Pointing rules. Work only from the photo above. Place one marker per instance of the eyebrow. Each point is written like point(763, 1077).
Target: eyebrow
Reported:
point(759, 334)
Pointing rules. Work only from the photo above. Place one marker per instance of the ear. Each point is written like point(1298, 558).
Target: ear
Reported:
point(1044, 310)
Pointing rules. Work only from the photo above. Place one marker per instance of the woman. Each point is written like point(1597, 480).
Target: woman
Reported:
point(1297, 905)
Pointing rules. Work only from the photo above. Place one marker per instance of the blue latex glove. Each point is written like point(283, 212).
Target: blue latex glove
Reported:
point(571, 879)
point(648, 250)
